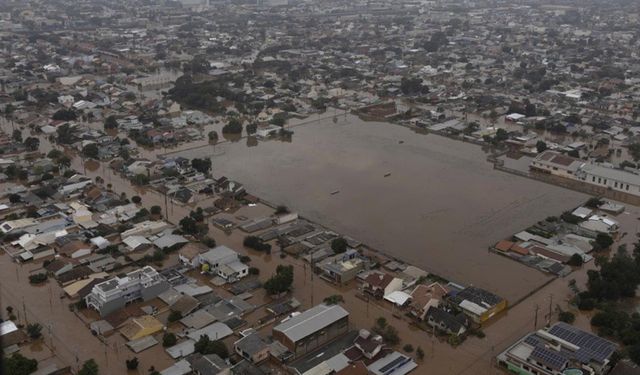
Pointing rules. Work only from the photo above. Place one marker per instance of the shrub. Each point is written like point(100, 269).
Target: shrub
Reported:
point(132, 364)
point(575, 260)
point(334, 299)
point(567, 317)
point(38, 278)
point(408, 348)
point(136, 199)
point(254, 271)
point(253, 242)
point(339, 245)
point(420, 353)
point(34, 330)
point(169, 339)
point(174, 316)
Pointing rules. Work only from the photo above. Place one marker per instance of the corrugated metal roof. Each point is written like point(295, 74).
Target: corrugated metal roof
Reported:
point(311, 321)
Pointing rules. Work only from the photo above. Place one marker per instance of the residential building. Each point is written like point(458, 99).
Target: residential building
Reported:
point(555, 163)
point(303, 333)
point(224, 262)
point(342, 268)
point(111, 295)
point(445, 321)
point(252, 348)
point(380, 284)
point(478, 304)
point(393, 364)
point(557, 350)
point(425, 296)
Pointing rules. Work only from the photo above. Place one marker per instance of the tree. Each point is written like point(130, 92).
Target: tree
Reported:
point(413, 86)
point(408, 348)
point(282, 209)
point(381, 324)
point(501, 135)
point(34, 330)
point(188, 225)
point(594, 202)
point(32, 143)
point(132, 364)
point(15, 198)
point(281, 281)
point(213, 136)
point(603, 241)
point(566, 316)
point(64, 115)
point(136, 199)
point(333, 300)
point(252, 128)
point(575, 260)
point(18, 364)
point(339, 245)
point(256, 243)
point(17, 136)
point(201, 165)
point(634, 353)
point(541, 146)
point(233, 127)
point(140, 179)
point(206, 346)
point(110, 123)
point(89, 367)
point(156, 210)
point(174, 316)
point(55, 154)
point(634, 151)
point(420, 353)
point(169, 339)
point(91, 151)
point(64, 161)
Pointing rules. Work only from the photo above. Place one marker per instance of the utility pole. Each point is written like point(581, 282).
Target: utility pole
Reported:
point(550, 307)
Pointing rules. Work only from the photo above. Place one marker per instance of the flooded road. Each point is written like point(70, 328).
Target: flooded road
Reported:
point(425, 199)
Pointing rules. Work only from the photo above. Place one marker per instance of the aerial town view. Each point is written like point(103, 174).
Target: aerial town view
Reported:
point(317, 187)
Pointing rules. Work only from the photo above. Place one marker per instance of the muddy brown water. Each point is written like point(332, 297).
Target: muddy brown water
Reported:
point(439, 207)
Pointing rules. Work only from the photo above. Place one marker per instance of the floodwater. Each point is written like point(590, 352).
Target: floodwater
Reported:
point(426, 199)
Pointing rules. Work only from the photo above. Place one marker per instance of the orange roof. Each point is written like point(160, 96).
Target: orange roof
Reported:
point(519, 249)
point(504, 245)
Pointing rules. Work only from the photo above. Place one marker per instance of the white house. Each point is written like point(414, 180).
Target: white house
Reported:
point(224, 262)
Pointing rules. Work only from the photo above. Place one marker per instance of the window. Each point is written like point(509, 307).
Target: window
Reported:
point(615, 184)
point(593, 178)
point(627, 187)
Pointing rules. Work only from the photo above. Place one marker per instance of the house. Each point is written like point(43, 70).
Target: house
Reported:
point(393, 364)
point(556, 350)
point(111, 295)
point(424, 297)
point(445, 321)
point(224, 262)
point(58, 266)
point(342, 268)
point(189, 254)
point(139, 327)
point(478, 304)
point(380, 284)
point(369, 345)
point(355, 368)
point(303, 333)
point(210, 364)
point(252, 348)
point(555, 163)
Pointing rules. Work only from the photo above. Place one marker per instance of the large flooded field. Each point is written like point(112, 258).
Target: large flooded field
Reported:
point(428, 200)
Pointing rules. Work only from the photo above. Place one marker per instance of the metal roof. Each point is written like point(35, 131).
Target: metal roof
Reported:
point(311, 321)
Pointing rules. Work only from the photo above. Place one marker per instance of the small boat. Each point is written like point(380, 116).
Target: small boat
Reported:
point(335, 192)
point(387, 174)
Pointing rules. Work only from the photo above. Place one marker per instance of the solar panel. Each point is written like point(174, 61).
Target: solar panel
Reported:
point(591, 346)
point(549, 358)
point(393, 365)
